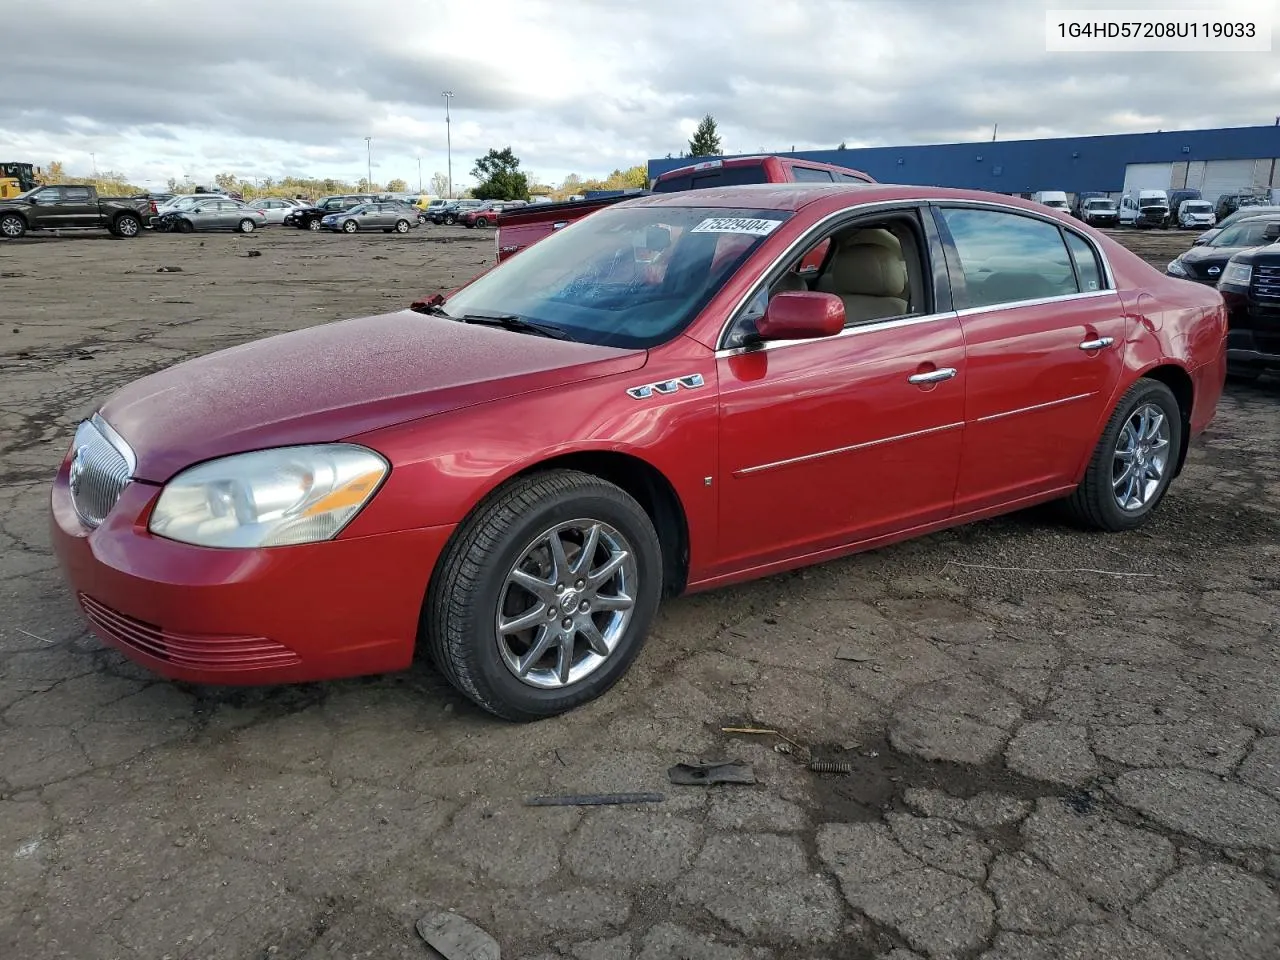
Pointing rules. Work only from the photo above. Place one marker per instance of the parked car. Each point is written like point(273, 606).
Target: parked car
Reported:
point(485, 215)
point(72, 206)
point(452, 211)
point(385, 216)
point(1205, 263)
point(1146, 208)
point(211, 213)
point(1193, 214)
point(1100, 212)
point(522, 228)
point(416, 214)
point(1229, 203)
point(1054, 199)
point(1250, 286)
point(1242, 213)
point(1081, 197)
point(274, 208)
point(308, 218)
point(1176, 198)
point(516, 475)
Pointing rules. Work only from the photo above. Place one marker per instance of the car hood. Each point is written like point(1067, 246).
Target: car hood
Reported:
point(1206, 255)
point(335, 381)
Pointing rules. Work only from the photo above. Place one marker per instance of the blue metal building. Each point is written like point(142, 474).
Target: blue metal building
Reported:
point(1218, 161)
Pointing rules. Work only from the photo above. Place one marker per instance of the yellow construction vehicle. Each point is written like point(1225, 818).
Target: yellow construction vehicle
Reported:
point(16, 178)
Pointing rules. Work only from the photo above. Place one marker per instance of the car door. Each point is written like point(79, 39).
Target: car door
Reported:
point(47, 211)
point(1044, 333)
point(842, 439)
point(78, 207)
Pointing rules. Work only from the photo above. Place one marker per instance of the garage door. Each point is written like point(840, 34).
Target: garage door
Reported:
point(1226, 176)
point(1147, 176)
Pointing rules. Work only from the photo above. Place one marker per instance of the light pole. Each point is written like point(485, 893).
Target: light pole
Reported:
point(419, 174)
point(448, 139)
point(368, 146)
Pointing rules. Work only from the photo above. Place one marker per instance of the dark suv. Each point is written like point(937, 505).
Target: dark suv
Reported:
point(1250, 285)
point(308, 218)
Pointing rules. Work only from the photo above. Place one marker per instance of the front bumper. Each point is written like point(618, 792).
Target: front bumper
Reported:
point(292, 614)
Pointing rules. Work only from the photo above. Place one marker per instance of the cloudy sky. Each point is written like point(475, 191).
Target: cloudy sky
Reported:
point(261, 88)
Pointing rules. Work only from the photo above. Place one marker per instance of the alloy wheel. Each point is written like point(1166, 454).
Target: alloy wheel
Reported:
point(1141, 457)
point(566, 603)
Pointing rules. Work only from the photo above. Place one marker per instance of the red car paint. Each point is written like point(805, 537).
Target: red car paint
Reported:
point(523, 227)
point(787, 457)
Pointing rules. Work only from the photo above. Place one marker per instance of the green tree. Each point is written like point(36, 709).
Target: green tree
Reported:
point(499, 177)
point(226, 181)
point(706, 141)
point(397, 186)
point(842, 146)
point(439, 184)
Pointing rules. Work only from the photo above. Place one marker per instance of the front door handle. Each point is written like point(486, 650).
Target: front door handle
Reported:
point(1097, 344)
point(933, 376)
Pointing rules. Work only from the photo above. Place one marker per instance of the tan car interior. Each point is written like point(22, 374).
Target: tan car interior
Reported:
point(875, 271)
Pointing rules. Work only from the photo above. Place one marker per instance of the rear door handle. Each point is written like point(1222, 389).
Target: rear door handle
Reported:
point(1097, 344)
point(933, 376)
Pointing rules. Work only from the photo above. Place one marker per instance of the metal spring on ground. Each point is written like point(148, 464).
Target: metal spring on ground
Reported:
point(831, 766)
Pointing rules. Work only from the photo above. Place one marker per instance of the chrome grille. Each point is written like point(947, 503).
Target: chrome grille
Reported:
point(1266, 282)
point(101, 467)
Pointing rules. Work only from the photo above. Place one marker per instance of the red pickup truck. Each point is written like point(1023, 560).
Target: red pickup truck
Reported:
point(524, 227)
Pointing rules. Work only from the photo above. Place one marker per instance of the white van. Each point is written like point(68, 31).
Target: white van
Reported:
point(1196, 214)
point(1057, 199)
point(1146, 208)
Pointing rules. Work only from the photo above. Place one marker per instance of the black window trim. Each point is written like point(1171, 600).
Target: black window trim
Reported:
point(929, 212)
point(957, 275)
point(840, 220)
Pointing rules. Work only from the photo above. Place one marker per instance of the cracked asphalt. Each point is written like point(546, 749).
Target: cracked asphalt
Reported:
point(1058, 744)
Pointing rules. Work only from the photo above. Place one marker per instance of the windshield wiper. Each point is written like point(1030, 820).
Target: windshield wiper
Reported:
point(508, 321)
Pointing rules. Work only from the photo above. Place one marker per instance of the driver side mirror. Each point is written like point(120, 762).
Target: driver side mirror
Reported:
point(801, 315)
point(1199, 242)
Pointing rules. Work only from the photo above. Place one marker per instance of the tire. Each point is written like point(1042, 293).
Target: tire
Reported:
point(186, 226)
point(1095, 503)
point(450, 219)
point(350, 226)
point(246, 226)
point(475, 578)
point(126, 225)
point(402, 226)
point(12, 226)
point(482, 222)
point(314, 225)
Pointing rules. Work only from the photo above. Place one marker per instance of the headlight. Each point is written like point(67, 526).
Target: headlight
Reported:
point(1176, 268)
point(269, 498)
point(1238, 273)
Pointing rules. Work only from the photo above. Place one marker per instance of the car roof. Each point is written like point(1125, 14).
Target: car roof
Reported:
point(796, 196)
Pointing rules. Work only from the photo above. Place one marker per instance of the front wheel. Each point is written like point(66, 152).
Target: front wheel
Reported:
point(246, 226)
point(12, 226)
point(545, 595)
point(314, 225)
point(450, 219)
point(1134, 461)
point(350, 227)
point(402, 226)
point(482, 221)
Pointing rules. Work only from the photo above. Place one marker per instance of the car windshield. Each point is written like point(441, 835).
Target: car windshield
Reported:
point(1198, 206)
point(1100, 204)
point(1152, 202)
point(1249, 234)
point(623, 277)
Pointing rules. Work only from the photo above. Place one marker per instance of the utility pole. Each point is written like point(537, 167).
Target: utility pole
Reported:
point(368, 146)
point(993, 132)
point(94, 158)
point(448, 138)
point(419, 174)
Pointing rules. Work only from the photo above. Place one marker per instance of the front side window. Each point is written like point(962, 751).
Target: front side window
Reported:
point(624, 277)
point(48, 195)
point(1007, 257)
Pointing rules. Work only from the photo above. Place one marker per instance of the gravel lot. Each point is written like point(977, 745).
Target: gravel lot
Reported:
point(1061, 744)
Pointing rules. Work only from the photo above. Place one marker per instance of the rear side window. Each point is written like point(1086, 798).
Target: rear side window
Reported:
point(717, 177)
point(1007, 258)
point(854, 178)
point(810, 175)
point(1088, 270)
point(75, 194)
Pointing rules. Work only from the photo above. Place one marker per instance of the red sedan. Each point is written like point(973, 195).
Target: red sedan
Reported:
point(657, 399)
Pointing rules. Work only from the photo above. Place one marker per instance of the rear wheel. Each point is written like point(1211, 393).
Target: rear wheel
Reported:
point(12, 226)
point(246, 226)
point(545, 595)
point(1134, 461)
point(126, 225)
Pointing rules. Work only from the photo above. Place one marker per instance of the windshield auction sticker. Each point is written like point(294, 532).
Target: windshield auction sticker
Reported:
point(751, 226)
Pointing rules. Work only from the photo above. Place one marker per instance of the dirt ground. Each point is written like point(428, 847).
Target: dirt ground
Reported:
point(1058, 744)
